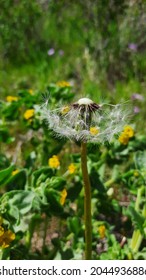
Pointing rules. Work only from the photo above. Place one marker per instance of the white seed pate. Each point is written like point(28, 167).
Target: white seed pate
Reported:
point(85, 101)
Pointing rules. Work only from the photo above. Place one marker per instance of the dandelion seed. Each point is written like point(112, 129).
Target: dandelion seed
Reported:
point(54, 162)
point(77, 120)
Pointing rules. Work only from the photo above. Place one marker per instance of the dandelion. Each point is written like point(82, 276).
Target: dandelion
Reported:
point(86, 121)
point(63, 84)
point(54, 162)
point(63, 196)
point(71, 168)
point(28, 114)
point(11, 98)
point(102, 230)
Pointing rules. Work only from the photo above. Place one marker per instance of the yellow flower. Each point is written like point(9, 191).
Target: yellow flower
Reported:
point(30, 91)
point(136, 173)
point(94, 131)
point(15, 172)
point(54, 162)
point(10, 98)
point(65, 110)
point(101, 230)
point(63, 84)
point(71, 168)
point(1, 231)
point(6, 237)
point(129, 131)
point(123, 138)
point(28, 114)
point(63, 196)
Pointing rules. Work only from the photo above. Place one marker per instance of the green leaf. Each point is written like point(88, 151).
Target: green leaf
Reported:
point(41, 175)
point(53, 198)
point(5, 174)
point(17, 202)
point(140, 160)
point(137, 218)
point(56, 183)
point(74, 225)
point(18, 180)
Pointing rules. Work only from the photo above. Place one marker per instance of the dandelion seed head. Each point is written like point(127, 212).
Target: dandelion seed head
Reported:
point(86, 120)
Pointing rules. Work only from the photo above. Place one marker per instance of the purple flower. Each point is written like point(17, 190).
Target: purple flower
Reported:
point(136, 109)
point(51, 51)
point(137, 96)
point(132, 47)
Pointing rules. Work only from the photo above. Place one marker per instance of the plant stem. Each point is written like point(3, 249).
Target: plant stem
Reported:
point(87, 202)
point(137, 236)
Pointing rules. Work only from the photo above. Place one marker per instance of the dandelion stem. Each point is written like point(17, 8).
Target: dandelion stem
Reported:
point(87, 202)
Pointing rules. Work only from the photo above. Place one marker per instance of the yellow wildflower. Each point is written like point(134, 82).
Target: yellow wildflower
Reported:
point(129, 131)
point(123, 138)
point(65, 110)
point(63, 84)
point(1, 231)
point(101, 230)
point(6, 237)
point(54, 162)
point(10, 98)
point(94, 131)
point(28, 114)
point(71, 168)
point(30, 91)
point(15, 172)
point(136, 173)
point(63, 196)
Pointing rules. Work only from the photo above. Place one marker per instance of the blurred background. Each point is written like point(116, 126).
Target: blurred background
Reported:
point(98, 46)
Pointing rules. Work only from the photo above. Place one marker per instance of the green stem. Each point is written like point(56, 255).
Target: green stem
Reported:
point(137, 236)
point(87, 202)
